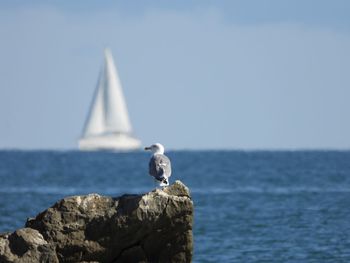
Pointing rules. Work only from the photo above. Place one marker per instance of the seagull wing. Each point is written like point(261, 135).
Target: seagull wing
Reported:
point(160, 167)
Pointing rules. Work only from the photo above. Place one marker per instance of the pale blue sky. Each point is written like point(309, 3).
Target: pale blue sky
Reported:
point(196, 74)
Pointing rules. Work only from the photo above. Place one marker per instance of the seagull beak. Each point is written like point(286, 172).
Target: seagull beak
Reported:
point(147, 148)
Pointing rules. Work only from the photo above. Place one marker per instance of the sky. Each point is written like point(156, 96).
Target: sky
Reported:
point(195, 74)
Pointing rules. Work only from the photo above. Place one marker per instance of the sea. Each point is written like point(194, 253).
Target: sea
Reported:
point(250, 206)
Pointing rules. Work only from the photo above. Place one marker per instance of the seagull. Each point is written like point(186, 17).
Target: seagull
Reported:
point(159, 165)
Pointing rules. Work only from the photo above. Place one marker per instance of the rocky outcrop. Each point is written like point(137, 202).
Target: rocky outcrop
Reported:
point(154, 227)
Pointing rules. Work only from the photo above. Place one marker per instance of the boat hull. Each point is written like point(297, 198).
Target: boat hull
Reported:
point(112, 142)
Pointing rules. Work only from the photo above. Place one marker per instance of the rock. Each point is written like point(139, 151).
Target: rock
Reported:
point(26, 245)
point(154, 227)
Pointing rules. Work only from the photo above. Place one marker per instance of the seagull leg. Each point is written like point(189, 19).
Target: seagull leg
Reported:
point(164, 183)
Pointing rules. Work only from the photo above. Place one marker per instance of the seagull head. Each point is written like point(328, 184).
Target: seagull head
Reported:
point(156, 148)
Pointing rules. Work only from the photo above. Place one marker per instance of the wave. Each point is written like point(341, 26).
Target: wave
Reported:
point(134, 190)
point(71, 190)
point(270, 190)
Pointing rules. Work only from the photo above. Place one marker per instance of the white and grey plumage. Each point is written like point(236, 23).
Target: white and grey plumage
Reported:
point(159, 165)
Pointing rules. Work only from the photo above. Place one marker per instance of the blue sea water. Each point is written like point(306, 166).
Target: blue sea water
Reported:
point(262, 206)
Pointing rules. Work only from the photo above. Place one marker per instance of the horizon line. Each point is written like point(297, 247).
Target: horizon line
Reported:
point(189, 149)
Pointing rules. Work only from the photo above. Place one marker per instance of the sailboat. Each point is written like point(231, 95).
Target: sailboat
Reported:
point(108, 126)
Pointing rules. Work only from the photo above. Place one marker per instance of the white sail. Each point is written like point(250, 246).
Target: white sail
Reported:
point(95, 123)
point(116, 114)
point(108, 125)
